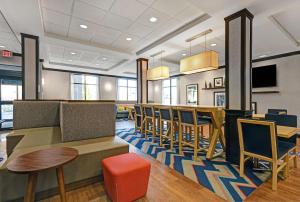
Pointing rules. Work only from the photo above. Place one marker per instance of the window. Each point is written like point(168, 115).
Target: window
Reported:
point(84, 87)
point(169, 91)
point(127, 89)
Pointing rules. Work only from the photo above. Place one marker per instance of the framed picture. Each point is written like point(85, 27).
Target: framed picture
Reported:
point(219, 98)
point(192, 94)
point(254, 107)
point(218, 82)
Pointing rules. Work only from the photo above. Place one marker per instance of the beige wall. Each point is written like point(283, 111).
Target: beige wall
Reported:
point(108, 88)
point(56, 85)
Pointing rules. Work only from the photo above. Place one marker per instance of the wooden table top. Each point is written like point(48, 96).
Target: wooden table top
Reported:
point(286, 132)
point(258, 116)
point(42, 160)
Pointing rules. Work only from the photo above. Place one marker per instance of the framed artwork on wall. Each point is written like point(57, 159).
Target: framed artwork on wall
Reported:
point(219, 98)
point(192, 94)
point(218, 82)
point(254, 107)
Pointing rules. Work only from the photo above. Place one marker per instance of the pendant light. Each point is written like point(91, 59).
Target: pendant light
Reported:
point(207, 60)
point(160, 72)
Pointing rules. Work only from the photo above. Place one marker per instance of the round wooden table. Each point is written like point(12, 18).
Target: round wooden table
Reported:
point(37, 161)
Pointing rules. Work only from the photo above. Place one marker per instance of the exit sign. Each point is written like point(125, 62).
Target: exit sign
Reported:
point(6, 53)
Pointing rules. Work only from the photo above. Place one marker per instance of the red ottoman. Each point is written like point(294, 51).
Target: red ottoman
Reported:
point(126, 177)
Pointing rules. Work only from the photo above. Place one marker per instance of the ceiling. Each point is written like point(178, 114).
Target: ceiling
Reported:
point(103, 48)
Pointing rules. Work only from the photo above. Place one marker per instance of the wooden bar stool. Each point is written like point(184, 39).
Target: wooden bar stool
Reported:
point(150, 118)
point(188, 118)
point(166, 117)
point(138, 118)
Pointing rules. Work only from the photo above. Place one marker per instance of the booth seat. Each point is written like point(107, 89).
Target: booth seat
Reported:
point(90, 133)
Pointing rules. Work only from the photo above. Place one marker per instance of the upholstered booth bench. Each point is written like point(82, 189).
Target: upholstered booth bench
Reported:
point(45, 124)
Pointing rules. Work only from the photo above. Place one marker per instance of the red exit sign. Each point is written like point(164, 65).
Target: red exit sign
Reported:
point(6, 54)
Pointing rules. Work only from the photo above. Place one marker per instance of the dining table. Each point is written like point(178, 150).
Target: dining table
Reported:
point(217, 117)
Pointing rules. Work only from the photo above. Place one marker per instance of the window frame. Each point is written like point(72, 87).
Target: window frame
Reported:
point(84, 84)
point(170, 86)
point(127, 87)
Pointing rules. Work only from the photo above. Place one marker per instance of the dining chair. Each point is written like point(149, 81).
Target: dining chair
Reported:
point(150, 118)
point(258, 139)
point(286, 120)
point(166, 117)
point(138, 118)
point(206, 120)
point(277, 111)
point(188, 118)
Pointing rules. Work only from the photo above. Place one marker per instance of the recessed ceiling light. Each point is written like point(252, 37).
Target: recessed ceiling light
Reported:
point(104, 58)
point(128, 38)
point(153, 19)
point(2, 46)
point(262, 56)
point(183, 54)
point(213, 44)
point(84, 26)
point(73, 53)
point(70, 60)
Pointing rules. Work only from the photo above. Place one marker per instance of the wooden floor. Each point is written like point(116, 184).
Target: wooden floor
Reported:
point(168, 185)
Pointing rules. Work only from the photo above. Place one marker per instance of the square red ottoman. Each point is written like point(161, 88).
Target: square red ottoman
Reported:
point(126, 177)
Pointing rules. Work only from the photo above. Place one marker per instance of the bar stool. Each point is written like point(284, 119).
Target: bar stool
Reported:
point(139, 118)
point(166, 116)
point(150, 118)
point(206, 120)
point(188, 119)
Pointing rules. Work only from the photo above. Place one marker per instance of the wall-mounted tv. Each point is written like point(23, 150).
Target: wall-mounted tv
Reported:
point(265, 76)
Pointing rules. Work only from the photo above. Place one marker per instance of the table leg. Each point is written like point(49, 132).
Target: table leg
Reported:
point(61, 183)
point(30, 189)
point(212, 145)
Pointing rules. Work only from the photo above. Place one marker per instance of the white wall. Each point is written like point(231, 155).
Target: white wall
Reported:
point(56, 85)
point(15, 60)
point(288, 75)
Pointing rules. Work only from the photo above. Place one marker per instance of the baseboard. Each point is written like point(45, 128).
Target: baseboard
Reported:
point(54, 191)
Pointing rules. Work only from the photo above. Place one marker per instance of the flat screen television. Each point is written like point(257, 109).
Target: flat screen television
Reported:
point(265, 76)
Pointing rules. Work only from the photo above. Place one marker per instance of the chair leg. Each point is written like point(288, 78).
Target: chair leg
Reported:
point(171, 136)
point(286, 169)
point(153, 130)
point(242, 164)
point(180, 139)
point(161, 132)
point(195, 143)
point(295, 158)
point(274, 176)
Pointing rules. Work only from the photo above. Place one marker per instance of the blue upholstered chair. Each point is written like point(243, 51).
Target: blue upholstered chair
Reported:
point(150, 118)
point(258, 139)
point(277, 111)
point(166, 117)
point(138, 118)
point(205, 119)
point(189, 125)
point(286, 120)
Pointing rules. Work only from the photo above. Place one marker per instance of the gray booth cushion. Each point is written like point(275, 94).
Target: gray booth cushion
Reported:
point(35, 114)
point(86, 120)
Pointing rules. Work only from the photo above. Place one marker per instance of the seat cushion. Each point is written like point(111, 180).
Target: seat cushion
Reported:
point(284, 148)
point(204, 121)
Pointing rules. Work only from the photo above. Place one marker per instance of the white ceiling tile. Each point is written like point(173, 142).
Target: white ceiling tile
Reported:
point(116, 22)
point(102, 40)
point(101, 31)
point(131, 9)
point(64, 6)
point(170, 7)
point(88, 12)
point(188, 14)
point(56, 17)
point(103, 4)
point(147, 2)
point(76, 22)
point(68, 54)
point(4, 27)
point(161, 18)
point(55, 51)
point(55, 29)
point(88, 57)
point(139, 30)
point(80, 34)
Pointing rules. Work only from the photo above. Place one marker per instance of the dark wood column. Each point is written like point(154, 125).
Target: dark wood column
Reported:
point(142, 83)
point(30, 66)
point(238, 62)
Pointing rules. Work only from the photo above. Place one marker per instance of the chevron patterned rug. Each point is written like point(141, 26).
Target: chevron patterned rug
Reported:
point(217, 175)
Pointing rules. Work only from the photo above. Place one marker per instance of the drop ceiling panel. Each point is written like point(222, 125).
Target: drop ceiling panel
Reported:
point(80, 34)
point(56, 18)
point(170, 7)
point(139, 30)
point(88, 57)
point(55, 29)
point(103, 4)
point(63, 6)
point(144, 18)
point(131, 9)
point(116, 22)
point(88, 12)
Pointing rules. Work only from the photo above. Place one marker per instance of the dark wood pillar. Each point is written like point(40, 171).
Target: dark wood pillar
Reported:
point(142, 83)
point(238, 62)
point(30, 66)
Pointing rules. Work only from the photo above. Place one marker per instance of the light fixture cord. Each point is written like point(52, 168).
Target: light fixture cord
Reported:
point(205, 42)
point(190, 48)
point(161, 57)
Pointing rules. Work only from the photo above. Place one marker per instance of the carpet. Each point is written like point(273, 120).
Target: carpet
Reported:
point(217, 175)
